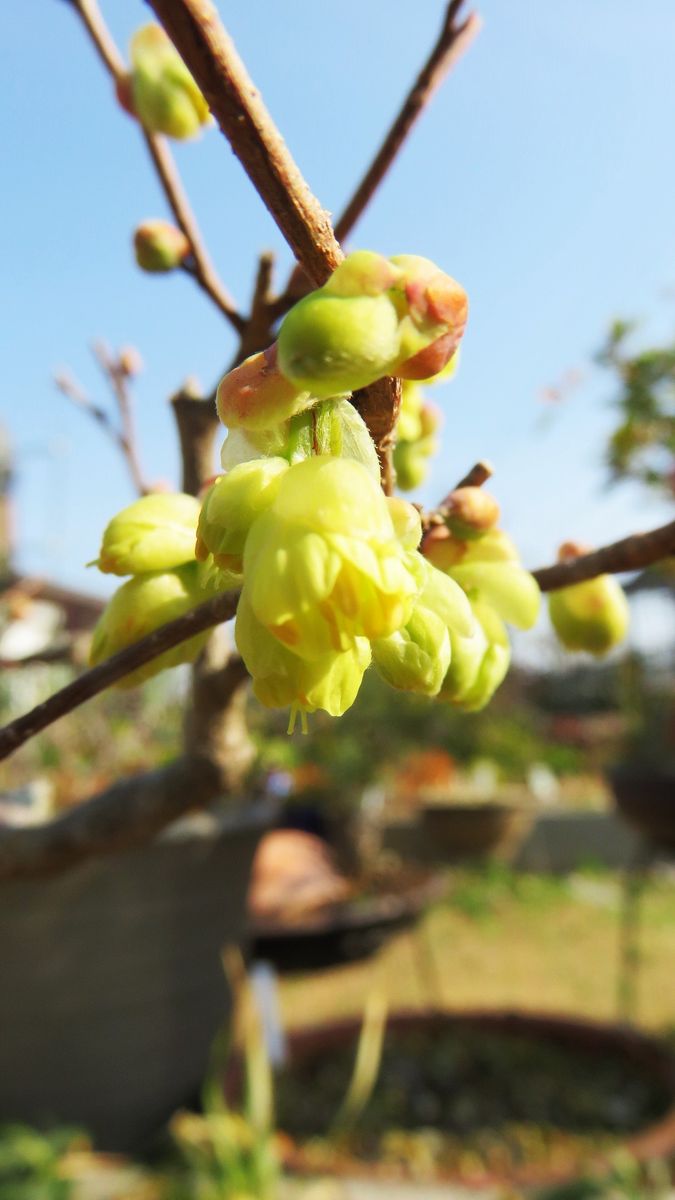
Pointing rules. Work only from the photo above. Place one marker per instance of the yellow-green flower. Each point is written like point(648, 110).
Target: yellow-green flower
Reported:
point(164, 96)
point(230, 507)
point(479, 663)
point(141, 605)
point(591, 616)
point(154, 533)
point(281, 679)
point(323, 565)
point(488, 568)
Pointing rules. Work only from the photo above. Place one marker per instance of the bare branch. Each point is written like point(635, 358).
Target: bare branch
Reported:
point(200, 38)
point(476, 477)
point(629, 554)
point(197, 423)
point(212, 612)
point(125, 815)
point(117, 379)
point(453, 41)
point(203, 270)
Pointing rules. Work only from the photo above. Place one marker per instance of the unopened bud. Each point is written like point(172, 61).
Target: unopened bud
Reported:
point(411, 465)
point(159, 246)
point(154, 533)
point(230, 507)
point(470, 512)
point(406, 521)
point(590, 616)
point(362, 273)
point(142, 605)
point(130, 361)
point(433, 308)
point(256, 396)
point(431, 419)
point(164, 96)
point(331, 344)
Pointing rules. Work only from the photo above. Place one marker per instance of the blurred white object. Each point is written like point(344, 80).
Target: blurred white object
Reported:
point(543, 784)
point(35, 630)
point(266, 992)
point(29, 805)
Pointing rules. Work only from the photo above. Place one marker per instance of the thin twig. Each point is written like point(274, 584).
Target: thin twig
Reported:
point(476, 477)
point(453, 41)
point(118, 381)
point(123, 439)
point(203, 270)
point(629, 554)
point(204, 616)
point(203, 43)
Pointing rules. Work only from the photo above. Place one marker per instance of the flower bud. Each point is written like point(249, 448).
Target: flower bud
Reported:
point(331, 344)
point(409, 423)
point(431, 419)
point(154, 533)
point(591, 616)
point(144, 604)
point(164, 96)
point(494, 665)
point(362, 273)
point(130, 361)
point(230, 507)
point(470, 512)
point(411, 465)
point(417, 656)
point(256, 396)
point(159, 246)
point(280, 678)
point(433, 310)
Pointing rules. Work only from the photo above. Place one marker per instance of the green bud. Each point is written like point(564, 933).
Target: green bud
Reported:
point(409, 423)
point(362, 273)
point(433, 311)
point(144, 604)
point(406, 521)
point(591, 616)
point(164, 96)
point(331, 344)
point(154, 533)
point(411, 465)
point(256, 396)
point(159, 246)
point(230, 507)
point(495, 662)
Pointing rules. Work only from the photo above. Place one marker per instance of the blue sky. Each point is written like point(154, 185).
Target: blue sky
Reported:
point(542, 177)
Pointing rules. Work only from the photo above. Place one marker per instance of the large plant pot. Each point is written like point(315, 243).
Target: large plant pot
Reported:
point(646, 798)
point(457, 832)
point(112, 988)
point(645, 1055)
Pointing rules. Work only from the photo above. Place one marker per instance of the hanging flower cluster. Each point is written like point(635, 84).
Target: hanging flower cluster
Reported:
point(334, 576)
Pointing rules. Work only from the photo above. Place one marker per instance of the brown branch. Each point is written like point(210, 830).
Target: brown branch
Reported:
point(197, 423)
point(202, 41)
point(202, 270)
point(476, 477)
point(454, 39)
point(629, 554)
point(212, 612)
point(117, 379)
point(125, 815)
point(123, 439)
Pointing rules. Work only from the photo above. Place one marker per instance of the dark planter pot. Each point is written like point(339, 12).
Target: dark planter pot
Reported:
point(648, 1055)
point(112, 986)
point(457, 832)
point(346, 933)
point(645, 796)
